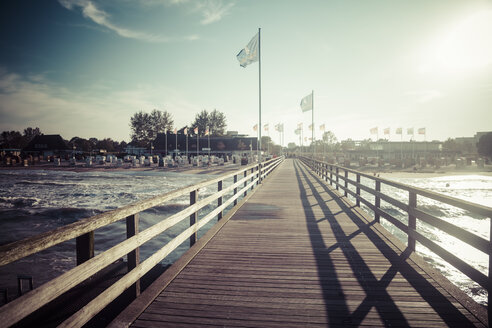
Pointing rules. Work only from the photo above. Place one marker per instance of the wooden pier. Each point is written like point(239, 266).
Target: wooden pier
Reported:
point(298, 254)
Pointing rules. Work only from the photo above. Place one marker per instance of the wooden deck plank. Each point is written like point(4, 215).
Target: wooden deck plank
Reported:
point(298, 254)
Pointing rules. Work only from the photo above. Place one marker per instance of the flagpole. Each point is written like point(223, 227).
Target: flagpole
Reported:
point(259, 101)
point(312, 119)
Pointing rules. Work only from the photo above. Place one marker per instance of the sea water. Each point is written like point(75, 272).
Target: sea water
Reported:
point(36, 201)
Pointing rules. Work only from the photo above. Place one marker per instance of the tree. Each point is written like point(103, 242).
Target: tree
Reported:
point(484, 145)
point(139, 124)
point(107, 144)
point(11, 139)
point(329, 138)
point(266, 143)
point(30, 133)
point(160, 122)
point(217, 123)
point(81, 144)
point(145, 126)
point(214, 121)
point(291, 145)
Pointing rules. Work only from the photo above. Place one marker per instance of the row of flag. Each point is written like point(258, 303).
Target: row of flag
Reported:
point(185, 131)
point(278, 127)
point(410, 131)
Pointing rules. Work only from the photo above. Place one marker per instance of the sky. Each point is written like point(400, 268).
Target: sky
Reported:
point(83, 68)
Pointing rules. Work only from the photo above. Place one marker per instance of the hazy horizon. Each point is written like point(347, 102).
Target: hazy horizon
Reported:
point(83, 68)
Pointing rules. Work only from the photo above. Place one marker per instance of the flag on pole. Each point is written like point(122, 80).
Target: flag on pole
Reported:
point(322, 127)
point(185, 131)
point(422, 131)
point(297, 131)
point(374, 130)
point(299, 125)
point(387, 131)
point(410, 131)
point(249, 54)
point(255, 127)
point(281, 127)
point(277, 127)
point(307, 103)
point(310, 127)
point(265, 127)
point(195, 130)
point(399, 131)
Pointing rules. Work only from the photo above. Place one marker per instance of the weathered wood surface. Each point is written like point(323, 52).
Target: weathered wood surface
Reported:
point(298, 254)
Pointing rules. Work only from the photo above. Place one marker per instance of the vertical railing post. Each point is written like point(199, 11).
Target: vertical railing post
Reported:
point(331, 175)
point(259, 173)
point(219, 200)
point(235, 189)
point(377, 201)
point(252, 177)
point(337, 172)
point(489, 289)
point(357, 191)
point(84, 247)
point(346, 183)
point(133, 258)
point(245, 183)
point(412, 220)
point(194, 216)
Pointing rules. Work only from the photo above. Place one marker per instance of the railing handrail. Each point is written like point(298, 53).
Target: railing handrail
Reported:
point(30, 245)
point(450, 200)
point(478, 242)
point(21, 307)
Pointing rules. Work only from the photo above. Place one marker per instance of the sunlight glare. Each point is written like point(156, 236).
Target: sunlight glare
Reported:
point(466, 46)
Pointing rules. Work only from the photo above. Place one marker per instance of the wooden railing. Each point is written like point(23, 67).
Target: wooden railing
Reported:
point(338, 177)
point(88, 264)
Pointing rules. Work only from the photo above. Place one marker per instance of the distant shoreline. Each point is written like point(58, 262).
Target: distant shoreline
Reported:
point(449, 170)
point(405, 175)
point(228, 167)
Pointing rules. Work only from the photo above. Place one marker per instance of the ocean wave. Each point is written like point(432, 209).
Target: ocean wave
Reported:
point(45, 183)
point(18, 202)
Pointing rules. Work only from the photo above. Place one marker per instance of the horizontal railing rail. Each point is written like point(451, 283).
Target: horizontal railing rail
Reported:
point(243, 180)
point(338, 177)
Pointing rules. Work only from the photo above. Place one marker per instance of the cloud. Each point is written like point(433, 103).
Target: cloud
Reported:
point(100, 17)
point(213, 10)
point(424, 96)
point(36, 101)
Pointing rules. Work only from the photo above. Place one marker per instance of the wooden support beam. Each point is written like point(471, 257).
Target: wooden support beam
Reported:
point(133, 257)
point(84, 246)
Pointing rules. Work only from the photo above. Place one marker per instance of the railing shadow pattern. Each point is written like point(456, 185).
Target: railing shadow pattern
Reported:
point(375, 289)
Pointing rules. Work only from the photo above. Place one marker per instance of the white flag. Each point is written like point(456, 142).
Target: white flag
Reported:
point(307, 103)
point(249, 54)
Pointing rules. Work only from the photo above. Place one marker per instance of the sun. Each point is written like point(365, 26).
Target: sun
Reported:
point(465, 46)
